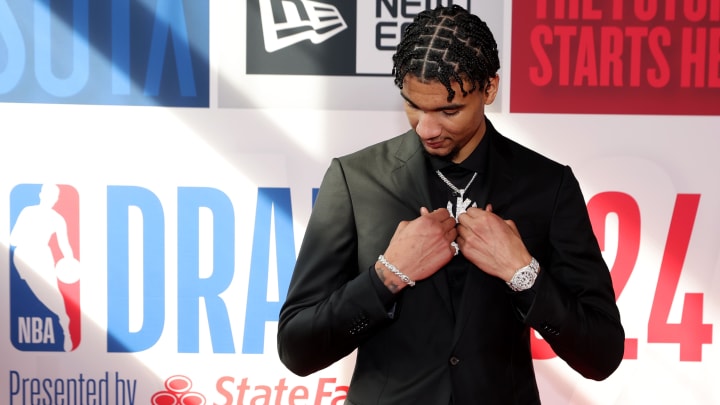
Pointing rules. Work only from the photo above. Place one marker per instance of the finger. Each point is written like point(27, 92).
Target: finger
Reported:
point(488, 207)
point(470, 215)
point(424, 210)
point(512, 226)
point(448, 225)
point(470, 211)
point(464, 233)
point(441, 214)
point(460, 241)
point(473, 212)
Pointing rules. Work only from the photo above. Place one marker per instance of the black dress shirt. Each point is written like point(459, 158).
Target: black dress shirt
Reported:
point(442, 196)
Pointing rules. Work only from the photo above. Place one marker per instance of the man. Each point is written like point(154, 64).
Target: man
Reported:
point(435, 252)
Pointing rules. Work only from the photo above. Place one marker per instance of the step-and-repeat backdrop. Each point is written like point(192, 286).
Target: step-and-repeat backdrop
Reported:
point(159, 159)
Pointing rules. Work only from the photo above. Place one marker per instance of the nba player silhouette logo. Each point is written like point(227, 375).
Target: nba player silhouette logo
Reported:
point(45, 269)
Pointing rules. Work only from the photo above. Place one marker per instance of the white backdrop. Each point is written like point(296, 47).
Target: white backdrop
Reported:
point(226, 155)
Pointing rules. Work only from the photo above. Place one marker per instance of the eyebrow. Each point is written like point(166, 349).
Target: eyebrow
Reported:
point(454, 106)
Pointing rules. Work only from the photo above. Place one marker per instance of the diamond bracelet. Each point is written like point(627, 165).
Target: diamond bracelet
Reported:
point(395, 271)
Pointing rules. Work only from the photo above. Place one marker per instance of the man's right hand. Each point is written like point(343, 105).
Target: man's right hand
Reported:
point(419, 248)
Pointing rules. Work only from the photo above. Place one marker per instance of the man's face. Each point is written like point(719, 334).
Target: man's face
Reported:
point(449, 129)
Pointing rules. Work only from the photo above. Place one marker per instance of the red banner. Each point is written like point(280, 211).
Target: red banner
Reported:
point(616, 57)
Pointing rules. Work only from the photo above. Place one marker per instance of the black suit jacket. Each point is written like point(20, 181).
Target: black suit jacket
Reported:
point(421, 351)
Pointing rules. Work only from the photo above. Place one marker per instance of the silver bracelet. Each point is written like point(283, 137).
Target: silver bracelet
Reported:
point(395, 271)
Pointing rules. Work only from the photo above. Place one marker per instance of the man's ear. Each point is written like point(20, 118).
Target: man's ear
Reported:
point(491, 89)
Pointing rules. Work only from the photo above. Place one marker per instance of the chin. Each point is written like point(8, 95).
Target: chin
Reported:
point(442, 153)
point(437, 151)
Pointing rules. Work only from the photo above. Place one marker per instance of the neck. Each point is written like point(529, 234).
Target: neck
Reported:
point(461, 153)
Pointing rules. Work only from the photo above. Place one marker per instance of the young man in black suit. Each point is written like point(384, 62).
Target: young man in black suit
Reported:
point(434, 253)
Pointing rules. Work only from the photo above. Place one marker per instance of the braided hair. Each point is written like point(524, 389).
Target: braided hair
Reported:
point(445, 44)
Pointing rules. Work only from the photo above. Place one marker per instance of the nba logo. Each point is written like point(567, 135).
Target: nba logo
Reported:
point(44, 267)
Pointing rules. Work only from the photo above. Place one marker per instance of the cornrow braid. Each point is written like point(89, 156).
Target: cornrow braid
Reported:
point(445, 44)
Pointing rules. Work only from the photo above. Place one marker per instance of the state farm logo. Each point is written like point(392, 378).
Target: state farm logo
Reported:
point(286, 23)
point(44, 267)
point(177, 392)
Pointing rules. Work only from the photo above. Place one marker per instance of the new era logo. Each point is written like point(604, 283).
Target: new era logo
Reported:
point(287, 22)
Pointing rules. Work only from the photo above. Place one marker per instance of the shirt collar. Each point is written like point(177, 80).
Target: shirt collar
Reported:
point(476, 162)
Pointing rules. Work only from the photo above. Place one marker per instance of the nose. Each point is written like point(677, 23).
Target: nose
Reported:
point(428, 126)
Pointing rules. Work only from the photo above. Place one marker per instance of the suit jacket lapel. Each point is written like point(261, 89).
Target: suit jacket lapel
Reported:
point(410, 179)
point(411, 163)
point(498, 191)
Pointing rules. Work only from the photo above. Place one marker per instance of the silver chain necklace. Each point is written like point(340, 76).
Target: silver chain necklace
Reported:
point(461, 203)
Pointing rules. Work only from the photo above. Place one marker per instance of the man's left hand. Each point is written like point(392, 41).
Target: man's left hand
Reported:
point(491, 243)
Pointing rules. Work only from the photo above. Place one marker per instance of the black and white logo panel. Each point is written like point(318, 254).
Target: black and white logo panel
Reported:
point(286, 23)
point(343, 46)
point(300, 37)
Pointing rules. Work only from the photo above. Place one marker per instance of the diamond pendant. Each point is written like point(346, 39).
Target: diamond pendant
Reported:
point(461, 205)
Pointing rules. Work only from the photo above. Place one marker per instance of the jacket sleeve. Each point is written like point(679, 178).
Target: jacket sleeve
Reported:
point(332, 305)
point(574, 307)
